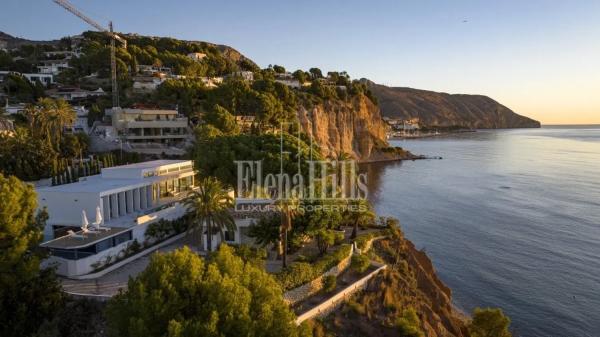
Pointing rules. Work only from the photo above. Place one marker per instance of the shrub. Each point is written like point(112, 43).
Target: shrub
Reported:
point(489, 322)
point(361, 240)
point(329, 283)
point(409, 324)
point(253, 255)
point(299, 273)
point(356, 307)
point(339, 237)
point(325, 239)
point(360, 263)
point(163, 229)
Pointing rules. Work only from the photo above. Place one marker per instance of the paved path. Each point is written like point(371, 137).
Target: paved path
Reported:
point(110, 283)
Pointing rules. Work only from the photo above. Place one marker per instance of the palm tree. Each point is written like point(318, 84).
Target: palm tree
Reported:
point(288, 209)
point(48, 117)
point(209, 206)
point(361, 214)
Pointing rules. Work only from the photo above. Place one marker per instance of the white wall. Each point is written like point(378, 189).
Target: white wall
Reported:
point(65, 208)
point(82, 266)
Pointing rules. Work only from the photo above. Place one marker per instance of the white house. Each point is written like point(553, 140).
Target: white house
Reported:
point(292, 83)
point(13, 109)
point(128, 197)
point(150, 125)
point(81, 123)
point(69, 94)
point(64, 54)
point(246, 75)
point(147, 84)
point(45, 79)
point(196, 56)
point(211, 82)
point(53, 67)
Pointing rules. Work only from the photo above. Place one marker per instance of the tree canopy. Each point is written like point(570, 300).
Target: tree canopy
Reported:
point(181, 294)
point(28, 295)
point(489, 322)
point(216, 156)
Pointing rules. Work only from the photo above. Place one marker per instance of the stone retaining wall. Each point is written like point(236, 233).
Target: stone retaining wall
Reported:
point(327, 306)
point(302, 292)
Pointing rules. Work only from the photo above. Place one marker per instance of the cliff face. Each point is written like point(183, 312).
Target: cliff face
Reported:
point(409, 283)
point(353, 127)
point(441, 109)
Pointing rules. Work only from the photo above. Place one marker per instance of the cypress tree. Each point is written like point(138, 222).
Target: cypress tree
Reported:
point(76, 174)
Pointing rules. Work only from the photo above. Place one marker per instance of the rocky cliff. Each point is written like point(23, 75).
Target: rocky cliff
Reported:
point(352, 127)
point(446, 110)
point(409, 283)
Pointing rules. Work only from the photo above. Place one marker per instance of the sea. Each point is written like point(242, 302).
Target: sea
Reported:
point(510, 219)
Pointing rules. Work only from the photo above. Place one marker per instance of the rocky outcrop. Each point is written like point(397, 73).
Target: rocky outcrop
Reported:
point(409, 283)
point(446, 110)
point(352, 127)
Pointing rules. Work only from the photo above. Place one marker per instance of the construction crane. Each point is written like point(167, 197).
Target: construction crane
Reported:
point(113, 37)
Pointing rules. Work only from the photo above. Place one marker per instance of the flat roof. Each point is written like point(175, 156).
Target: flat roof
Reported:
point(149, 111)
point(148, 164)
point(98, 184)
point(90, 238)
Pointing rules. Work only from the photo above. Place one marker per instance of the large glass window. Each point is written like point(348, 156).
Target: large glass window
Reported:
point(164, 192)
point(104, 245)
point(123, 237)
point(229, 236)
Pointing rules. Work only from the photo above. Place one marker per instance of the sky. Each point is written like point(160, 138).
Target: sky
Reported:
point(539, 58)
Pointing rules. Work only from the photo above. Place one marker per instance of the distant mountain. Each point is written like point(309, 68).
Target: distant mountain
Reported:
point(15, 42)
point(441, 109)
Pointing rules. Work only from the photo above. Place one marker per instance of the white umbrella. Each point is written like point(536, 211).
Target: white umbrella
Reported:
point(98, 217)
point(84, 221)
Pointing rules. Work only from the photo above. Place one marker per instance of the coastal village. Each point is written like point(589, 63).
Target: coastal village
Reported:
point(117, 152)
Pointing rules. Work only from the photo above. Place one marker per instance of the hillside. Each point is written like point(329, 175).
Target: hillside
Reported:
point(445, 110)
point(16, 42)
point(409, 283)
point(338, 112)
point(228, 52)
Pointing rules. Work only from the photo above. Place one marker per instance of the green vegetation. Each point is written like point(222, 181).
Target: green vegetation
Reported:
point(39, 149)
point(21, 89)
point(28, 295)
point(76, 318)
point(489, 322)
point(361, 215)
point(209, 209)
point(163, 229)
point(329, 283)
point(409, 324)
point(360, 263)
point(216, 156)
point(265, 231)
point(299, 273)
point(180, 294)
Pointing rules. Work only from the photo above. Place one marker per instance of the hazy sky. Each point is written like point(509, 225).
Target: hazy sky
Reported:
point(539, 58)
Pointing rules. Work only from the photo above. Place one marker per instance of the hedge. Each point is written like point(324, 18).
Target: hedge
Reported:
point(300, 273)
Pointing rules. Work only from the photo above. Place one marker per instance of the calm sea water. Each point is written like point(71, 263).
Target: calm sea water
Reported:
point(511, 219)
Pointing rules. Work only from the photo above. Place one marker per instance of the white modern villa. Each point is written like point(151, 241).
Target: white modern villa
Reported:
point(119, 204)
